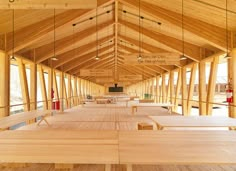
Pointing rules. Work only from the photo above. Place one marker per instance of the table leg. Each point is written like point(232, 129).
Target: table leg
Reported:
point(108, 167)
point(129, 167)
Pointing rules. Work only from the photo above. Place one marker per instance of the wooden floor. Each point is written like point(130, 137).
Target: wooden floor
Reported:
point(108, 117)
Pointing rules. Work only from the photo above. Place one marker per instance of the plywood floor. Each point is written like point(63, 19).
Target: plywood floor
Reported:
point(108, 117)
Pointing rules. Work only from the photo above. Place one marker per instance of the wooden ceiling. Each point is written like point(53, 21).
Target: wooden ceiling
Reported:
point(116, 32)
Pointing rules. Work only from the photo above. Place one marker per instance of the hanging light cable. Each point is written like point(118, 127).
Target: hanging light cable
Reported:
point(13, 36)
point(97, 57)
point(226, 30)
point(183, 57)
point(139, 55)
point(54, 36)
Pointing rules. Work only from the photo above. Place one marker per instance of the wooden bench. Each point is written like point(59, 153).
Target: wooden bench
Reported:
point(64, 148)
point(15, 119)
point(168, 105)
point(176, 147)
point(163, 122)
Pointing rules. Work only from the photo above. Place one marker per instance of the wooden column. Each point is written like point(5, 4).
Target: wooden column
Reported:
point(50, 87)
point(65, 92)
point(202, 88)
point(163, 88)
point(184, 92)
point(172, 88)
point(55, 86)
point(5, 84)
point(232, 76)
point(62, 91)
point(24, 84)
point(191, 88)
point(69, 91)
point(33, 86)
point(212, 85)
point(167, 98)
point(178, 86)
point(43, 88)
point(157, 89)
point(75, 92)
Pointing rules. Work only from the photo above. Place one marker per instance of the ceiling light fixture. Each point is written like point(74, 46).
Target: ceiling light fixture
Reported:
point(227, 56)
point(12, 57)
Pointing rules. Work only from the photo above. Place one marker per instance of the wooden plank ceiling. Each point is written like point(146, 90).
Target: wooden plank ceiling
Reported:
point(116, 32)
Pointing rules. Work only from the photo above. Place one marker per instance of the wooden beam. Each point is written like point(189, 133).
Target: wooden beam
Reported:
point(191, 51)
point(49, 4)
point(47, 51)
point(211, 34)
point(76, 53)
point(84, 58)
point(191, 88)
point(211, 85)
point(38, 33)
point(69, 91)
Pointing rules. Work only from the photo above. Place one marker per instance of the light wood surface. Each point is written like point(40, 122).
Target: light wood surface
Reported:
point(22, 117)
point(193, 121)
point(58, 146)
point(177, 147)
point(135, 106)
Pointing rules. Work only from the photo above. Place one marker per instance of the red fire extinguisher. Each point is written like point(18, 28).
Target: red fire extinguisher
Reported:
point(229, 95)
point(52, 94)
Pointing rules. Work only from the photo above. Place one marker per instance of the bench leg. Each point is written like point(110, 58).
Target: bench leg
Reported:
point(43, 119)
point(63, 166)
point(108, 167)
point(129, 167)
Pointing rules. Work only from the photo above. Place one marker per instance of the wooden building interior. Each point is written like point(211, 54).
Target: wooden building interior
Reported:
point(61, 60)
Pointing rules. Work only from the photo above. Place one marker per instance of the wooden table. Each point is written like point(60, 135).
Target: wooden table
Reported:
point(59, 147)
point(14, 119)
point(193, 121)
point(135, 106)
point(177, 147)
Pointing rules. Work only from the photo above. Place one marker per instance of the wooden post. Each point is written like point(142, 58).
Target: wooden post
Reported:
point(172, 88)
point(202, 88)
point(184, 92)
point(24, 84)
point(168, 90)
point(62, 91)
point(75, 92)
point(232, 76)
point(178, 86)
point(65, 92)
point(69, 91)
point(157, 89)
point(50, 87)
point(43, 88)
point(33, 86)
point(191, 88)
point(163, 88)
point(5, 85)
point(55, 86)
point(212, 85)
